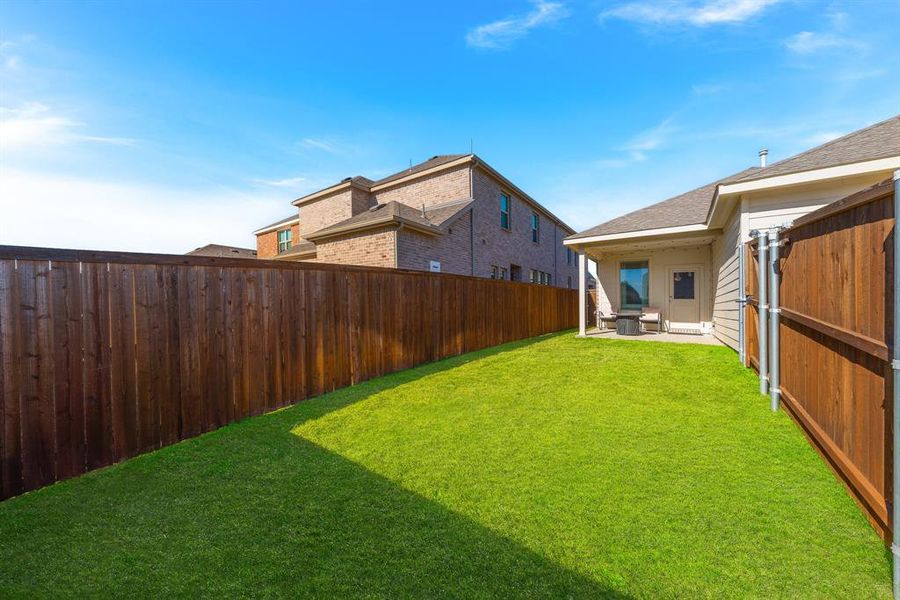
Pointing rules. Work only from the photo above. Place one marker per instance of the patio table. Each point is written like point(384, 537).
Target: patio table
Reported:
point(627, 323)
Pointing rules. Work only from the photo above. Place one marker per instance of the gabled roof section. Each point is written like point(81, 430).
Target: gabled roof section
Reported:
point(302, 248)
point(880, 140)
point(434, 161)
point(432, 220)
point(278, 224)
point(689, 208)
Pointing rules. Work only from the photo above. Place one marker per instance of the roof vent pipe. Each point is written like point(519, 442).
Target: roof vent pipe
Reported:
point(762, 158)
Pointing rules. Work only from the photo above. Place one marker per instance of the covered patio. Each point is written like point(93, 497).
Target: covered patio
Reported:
point(646, 273)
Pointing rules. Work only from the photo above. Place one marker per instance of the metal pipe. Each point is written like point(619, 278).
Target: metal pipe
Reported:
point(763, 308)
point(774, 319)
point(742, 303)
point(895, 522)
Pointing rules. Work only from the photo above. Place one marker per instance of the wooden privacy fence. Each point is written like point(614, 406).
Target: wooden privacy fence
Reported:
point(836, 322)
point(107, 355)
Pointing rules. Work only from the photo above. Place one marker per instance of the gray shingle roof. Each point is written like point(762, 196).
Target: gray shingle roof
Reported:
point(689, 208)
point(293, 217)
point(301, 247)
point(434, 219)
point(434, 161)
point(223, 251)
point(876, 141)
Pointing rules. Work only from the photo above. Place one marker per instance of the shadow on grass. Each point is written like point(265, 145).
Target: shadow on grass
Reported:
point(252, 509)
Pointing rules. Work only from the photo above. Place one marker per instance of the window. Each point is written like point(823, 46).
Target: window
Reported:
point(568, 256)
point(284, 240)
point(683, 285)
point(569, 282)
point(535, 228)
point(504, 211)
point(532, 276)
point(543, 278)
point(634, 281)
point(515, 273)
point(502, 272)
point(494, 272)
point(548, 279)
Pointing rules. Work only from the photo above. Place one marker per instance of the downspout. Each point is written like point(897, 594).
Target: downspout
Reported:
point(762, 243)
point(774, 319)
point(472, 216)
point(742, 301)
point(895, 546)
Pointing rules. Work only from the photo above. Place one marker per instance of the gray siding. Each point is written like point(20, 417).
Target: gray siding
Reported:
point(726, 252)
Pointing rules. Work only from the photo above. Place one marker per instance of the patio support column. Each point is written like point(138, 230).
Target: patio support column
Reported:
point(895, 521)
point(582, 293)
point(762, 246)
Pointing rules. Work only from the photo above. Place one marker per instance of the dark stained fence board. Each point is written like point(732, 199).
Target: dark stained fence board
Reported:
point(836, 301)
point(107, 355)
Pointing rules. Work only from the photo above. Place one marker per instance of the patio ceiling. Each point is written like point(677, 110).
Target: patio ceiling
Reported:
point(597, 250)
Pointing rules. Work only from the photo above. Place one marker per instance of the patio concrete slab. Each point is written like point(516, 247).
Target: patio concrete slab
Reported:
point(676, 338)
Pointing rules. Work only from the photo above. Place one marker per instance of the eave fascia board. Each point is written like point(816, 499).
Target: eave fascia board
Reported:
point(662, 231)
point(343, 185)
point(277, 226)
point(764, 183)
point(412, 176)
point(315, 237)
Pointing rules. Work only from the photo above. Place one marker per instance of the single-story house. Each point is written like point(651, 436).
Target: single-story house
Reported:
point(683, 255)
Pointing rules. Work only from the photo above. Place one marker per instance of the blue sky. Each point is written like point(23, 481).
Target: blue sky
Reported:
point(159, 126)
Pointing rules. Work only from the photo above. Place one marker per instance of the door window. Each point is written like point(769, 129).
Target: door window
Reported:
point(683, 285)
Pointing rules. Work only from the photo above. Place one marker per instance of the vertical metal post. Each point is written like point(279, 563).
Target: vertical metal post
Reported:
point(895, 521)
point(582, 293)
point(774, 319)
point(763, 307)
point(742, 300)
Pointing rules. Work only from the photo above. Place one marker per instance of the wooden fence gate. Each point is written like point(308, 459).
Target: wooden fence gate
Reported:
point(836, 323)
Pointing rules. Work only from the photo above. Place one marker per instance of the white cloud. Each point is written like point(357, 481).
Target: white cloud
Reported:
point(809, 42)
point(104, 215)
point(323, 145)
point(34, 124)
point(679, 12)
point(500, 34)
point(286, 182)
point(639, 146)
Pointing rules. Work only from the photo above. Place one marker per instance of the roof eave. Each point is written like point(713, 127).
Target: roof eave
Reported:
point(641, 233)
point(392, 219)
point(276, 226)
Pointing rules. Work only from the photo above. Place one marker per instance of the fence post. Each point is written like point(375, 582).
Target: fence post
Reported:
point(762, 245)
point(895, 521)
point(774, 319)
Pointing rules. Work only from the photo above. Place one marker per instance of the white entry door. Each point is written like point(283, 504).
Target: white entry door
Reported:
point(684, 299)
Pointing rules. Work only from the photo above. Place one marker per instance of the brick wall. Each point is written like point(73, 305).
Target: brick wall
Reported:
point(434, 189)
point(325, 211)
point(453, 250)
point(267, 243)
point(370, 248)
point(497, 246)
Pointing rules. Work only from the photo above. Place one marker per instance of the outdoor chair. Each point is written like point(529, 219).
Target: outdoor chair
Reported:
point(652, 316)
point(603, 318)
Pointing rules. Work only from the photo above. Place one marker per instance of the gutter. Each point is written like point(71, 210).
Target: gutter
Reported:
point(895, 508)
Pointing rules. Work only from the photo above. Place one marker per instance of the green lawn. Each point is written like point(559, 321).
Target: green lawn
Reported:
point(555, 467)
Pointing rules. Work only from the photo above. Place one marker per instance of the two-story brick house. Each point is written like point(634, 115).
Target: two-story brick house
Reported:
point(452, 213)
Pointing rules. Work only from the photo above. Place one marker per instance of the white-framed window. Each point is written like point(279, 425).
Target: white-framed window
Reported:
point(284, 240)
point(569, 256)
point(569, 282)
point(495, 272)
point(533, 276)
point(535, 228)
point(502, 272)
point(504, 211)
point(634, 284)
